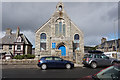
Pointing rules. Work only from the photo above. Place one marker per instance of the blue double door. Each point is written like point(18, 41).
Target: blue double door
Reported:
point(63, 50)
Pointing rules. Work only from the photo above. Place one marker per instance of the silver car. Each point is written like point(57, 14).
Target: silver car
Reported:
point(98, 59)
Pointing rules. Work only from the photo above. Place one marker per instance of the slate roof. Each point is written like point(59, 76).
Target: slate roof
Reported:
point(10, 39)
point(109, 43)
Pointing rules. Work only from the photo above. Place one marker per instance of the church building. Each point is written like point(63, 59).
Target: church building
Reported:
point(59, 36)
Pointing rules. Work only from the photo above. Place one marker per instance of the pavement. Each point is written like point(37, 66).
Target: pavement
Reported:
point(28, 66)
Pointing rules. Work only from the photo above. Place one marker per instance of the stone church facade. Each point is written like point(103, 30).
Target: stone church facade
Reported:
point(59, 36)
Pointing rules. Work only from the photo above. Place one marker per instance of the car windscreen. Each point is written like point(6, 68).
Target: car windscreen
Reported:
point(109, 72)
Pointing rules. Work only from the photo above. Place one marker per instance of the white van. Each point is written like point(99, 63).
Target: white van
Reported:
point(113, 54)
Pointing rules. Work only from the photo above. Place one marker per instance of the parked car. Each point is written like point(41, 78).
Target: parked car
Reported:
point(110, 73)
point(98, 59)
point(54, 62)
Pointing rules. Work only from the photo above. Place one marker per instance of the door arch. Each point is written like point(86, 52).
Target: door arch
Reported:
point(63, 50)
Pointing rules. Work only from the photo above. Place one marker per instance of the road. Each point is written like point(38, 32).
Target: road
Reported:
point(49, 73)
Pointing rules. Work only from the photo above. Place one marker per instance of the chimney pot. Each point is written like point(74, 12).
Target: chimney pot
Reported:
point(8, 31)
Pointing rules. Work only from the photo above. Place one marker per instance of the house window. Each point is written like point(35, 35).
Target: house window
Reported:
point(56, 29)
point(76, 37)
point(42, 42)
point(64, 29)
point(60, 27)
point(76, 46)
point(10, 47)
point(18, 47)
point(76, 42)
point(42, 46)
point(1, 46)
point(114, 49)
point(43, 36)
point(53, 45)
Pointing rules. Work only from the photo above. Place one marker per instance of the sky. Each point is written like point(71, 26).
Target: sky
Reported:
point(95, 19)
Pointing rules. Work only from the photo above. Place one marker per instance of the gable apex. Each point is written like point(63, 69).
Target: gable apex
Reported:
point(60, 7)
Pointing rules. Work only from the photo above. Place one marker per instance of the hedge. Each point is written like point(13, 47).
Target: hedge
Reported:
point(28, 56)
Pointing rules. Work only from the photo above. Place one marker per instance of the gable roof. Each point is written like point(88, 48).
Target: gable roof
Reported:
point(10, 39)
point(58, 16)
point(110, 43)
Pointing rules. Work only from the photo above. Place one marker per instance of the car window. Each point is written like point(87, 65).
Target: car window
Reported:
point(97, 56)
point(57, 58)
point(90, 56)
point(104, 56)
point(48, 58)
point(86, 55)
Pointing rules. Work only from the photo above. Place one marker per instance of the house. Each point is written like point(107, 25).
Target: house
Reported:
point(59, 36)
point(14, 44)
point(109, 46)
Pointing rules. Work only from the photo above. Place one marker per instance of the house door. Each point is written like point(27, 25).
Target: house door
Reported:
point(63, 50)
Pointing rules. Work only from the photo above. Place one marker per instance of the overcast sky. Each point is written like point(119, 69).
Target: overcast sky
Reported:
point(95, 19)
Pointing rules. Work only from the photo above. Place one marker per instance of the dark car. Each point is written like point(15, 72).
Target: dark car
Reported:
point(98, 59)
point(110, 73)
point(54, 62)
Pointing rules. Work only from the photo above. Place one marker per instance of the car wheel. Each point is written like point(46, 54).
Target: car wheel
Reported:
point(68, 66)
point(43, 66)
point(93, 65)
point(114, 63)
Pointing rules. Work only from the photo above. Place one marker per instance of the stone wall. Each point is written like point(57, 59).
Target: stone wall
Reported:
point(19, 62)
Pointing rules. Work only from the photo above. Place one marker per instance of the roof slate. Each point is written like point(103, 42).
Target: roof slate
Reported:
point(10, 39)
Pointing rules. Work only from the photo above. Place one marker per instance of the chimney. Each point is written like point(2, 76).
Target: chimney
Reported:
point(103, 40)
point(17, 32)
point(8, 31)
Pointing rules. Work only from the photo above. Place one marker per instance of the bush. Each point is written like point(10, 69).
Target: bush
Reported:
point(28, 56)
point(18, 57)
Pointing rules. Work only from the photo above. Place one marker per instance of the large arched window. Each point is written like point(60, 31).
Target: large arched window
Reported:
point(76, 37)
point(64, 29)
point(43, 36)
point(42, 42)
point(60, 27)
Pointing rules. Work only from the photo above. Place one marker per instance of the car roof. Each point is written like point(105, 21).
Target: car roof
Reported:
point(50, 56)
point(95, 52)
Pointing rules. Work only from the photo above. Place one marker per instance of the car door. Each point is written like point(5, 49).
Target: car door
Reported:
point(106, 60)
point(50, 62)
point(98, 59)
point(59, 62)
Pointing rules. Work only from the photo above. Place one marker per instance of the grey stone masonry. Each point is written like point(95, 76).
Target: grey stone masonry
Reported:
point(60, 32)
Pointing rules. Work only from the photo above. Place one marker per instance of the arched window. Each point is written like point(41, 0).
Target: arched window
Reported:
point(64, 29)
point(76, 42)
point(76, 37)
point(43, 36)
point(42, 42)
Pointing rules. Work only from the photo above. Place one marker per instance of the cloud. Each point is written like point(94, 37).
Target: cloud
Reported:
point(2, 34)
point(95, 19)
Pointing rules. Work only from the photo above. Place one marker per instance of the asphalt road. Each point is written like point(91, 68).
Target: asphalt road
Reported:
point(49, 73)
